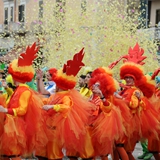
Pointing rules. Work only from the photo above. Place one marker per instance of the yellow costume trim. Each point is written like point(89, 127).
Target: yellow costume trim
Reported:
point(68, 78)
point(134, 103)
point(142, 106)
point(108, 108)
point(15, 113)
point(23, 69)
point(56, 107)
point(23, 84)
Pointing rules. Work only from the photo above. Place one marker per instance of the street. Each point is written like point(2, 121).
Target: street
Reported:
point(137, 152)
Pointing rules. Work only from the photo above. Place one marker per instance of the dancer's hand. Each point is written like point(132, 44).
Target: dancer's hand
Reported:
point(96, 90)
point(47, 107)
point(2, 109)
point(138, 94)
point(39, 74)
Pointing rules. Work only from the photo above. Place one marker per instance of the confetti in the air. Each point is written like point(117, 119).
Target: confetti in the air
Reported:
point(105, 28)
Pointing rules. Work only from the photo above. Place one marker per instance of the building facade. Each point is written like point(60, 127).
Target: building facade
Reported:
point(16, 15)
point(17, 12)
point(154, 12)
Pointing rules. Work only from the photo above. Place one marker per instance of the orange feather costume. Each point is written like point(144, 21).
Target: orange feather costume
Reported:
point(23, 127)
point(68, 117)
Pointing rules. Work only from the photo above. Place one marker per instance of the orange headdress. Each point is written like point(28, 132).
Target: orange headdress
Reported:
point(133, 67)
point(102, 70)
point(147, 86)
point(133, 64)
point(66, 78)
point(21, 69)
point(52, 72)
point(108, 84)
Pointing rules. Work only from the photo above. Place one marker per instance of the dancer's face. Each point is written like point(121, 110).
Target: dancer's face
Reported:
point(129, 80)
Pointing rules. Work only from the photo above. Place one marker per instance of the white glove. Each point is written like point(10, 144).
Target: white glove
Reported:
point(47, 107)
point(2, 109)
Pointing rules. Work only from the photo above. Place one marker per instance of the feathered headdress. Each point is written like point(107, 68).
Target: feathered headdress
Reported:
point(108, 84)
point(66, 77)
point(133, 67)
point(103, 70)
point(147, 86)
point(133, 64)
point(21, 69)
point(52, 71)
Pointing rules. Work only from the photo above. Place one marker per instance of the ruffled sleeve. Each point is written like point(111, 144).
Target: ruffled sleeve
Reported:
point(64, 106)
point(23, 104)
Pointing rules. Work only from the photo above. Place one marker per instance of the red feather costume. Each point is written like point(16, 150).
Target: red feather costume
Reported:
point(68, 118)
point(144, 116)
point(23, 125)
point(107, 123)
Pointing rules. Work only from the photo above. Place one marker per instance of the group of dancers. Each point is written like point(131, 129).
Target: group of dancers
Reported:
point(104, 117)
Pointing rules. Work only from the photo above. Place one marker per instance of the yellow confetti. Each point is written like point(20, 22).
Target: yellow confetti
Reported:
point(106, 29)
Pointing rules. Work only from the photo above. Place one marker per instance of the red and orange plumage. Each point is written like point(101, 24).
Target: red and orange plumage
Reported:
point(73, 66)
point(135, 55)
point(26, 59)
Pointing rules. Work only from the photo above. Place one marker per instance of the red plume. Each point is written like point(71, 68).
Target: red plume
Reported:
point(155, 73)
point(135, 55)
point(114, 63)
point(27, 58)
point(73, 66)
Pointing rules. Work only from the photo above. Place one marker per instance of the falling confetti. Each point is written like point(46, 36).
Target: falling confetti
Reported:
point(105, 28)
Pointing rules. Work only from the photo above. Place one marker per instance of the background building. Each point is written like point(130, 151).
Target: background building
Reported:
point(23, 18)
point(154, 12)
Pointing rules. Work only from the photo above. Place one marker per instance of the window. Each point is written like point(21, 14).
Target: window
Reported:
point(6, 15)
point(21, 13)
point(41, 9)
point(11, 14)
point(157, 16)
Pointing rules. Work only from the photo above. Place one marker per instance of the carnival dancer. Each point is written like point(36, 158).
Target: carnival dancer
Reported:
point(153, 142)
point(144, 121)
point(68, 114)
point(107, 122)
point(23, 127)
